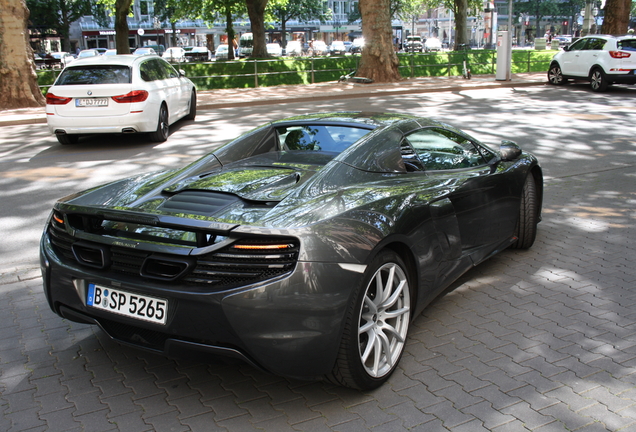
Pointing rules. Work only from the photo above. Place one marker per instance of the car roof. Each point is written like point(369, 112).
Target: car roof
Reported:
point(120, 59)
point(608, 36)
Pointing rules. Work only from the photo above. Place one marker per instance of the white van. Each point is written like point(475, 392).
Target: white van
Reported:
point(246, 45)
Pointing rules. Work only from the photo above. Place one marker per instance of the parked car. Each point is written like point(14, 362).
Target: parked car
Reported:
point(65, 58)
point(337, 48)
point(347, 45)
point(195, 53)
point(101, 51)
point(144, 51)
point(357, 45)
point(563, 39)
point(110, 52)
point(602, 60)
point(293, 48)
point(319, 48)
point(432, 44)
point(87, 53)
point(174, 55)
point(118, 94)
point(413, 43)
point(159, 49)
point(274, 50)
point(222, 52)
point(306, 246)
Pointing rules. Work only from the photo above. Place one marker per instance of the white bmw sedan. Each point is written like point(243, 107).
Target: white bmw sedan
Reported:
point(119, 94)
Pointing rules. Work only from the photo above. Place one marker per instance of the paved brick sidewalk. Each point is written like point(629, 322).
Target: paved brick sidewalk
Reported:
point(541, 340)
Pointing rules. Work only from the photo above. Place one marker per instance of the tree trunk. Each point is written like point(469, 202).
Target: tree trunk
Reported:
point(230, 33)
point(379, 61)
point(18, 81)
point(616, 18)
point(461, 22)
point(122, 8)
point(256, 12)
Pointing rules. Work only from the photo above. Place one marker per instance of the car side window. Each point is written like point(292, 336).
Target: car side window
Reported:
point(153, 70)
point(578, 45)
point(168, 71)
point(441, 149)
point(595, 44)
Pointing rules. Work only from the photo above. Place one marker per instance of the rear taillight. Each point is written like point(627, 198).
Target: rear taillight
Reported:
point(619, 54)
point(51, 99)
point(132, 97)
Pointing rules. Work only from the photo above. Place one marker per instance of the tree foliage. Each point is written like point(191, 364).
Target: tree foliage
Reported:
point(55, 16)
point(210, 11)
point(301, 10)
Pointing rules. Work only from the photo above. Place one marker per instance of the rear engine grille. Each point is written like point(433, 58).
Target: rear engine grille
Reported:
point(245, 262)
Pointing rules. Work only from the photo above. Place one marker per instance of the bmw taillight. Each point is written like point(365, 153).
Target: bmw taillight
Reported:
point(619, 54)
point(132, 97)
point(51, 99)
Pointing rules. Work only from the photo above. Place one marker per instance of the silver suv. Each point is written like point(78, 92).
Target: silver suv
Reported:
point(600, 59)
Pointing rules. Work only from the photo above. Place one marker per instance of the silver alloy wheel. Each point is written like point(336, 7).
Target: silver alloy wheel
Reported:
point(384, 320)
point(555, 76)
point(597, 80)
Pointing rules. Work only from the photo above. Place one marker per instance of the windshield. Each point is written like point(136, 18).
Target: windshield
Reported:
point(102, 74)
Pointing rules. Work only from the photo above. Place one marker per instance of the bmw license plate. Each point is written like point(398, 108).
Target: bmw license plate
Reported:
point(136, 306)
point(91, 102)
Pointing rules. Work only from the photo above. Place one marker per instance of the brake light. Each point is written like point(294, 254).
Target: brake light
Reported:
point(51, 99)
point(263, 246)
point(132, 97)
point(619, 54)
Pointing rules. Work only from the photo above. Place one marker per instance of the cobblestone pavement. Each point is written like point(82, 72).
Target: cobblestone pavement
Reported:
point(537, 340)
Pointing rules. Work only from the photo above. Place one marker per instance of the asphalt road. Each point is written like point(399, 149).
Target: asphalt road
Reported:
point(537, 340)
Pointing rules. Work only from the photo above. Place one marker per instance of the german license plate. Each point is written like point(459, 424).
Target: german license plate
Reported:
point(121, 302)
point(91, 102)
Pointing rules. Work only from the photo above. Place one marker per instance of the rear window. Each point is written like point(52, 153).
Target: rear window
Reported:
point(333, 139)
point(627, 44)
point(107, 74)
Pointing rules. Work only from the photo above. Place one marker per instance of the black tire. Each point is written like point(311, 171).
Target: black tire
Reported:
point(67, 139)
point(555, 75)
point(526, 230)
point(192, 114)
point(163, 127)
point(375, 324)
point(598, 80)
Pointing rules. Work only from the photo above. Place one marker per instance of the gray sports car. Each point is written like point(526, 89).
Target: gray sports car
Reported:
point(304, 247)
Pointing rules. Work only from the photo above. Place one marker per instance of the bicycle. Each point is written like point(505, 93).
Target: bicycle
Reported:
point(464, 48)
point(351, 78)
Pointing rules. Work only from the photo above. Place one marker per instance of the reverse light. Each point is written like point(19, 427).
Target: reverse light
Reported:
point(132, 97)
point(619, 54)
point(51, 99)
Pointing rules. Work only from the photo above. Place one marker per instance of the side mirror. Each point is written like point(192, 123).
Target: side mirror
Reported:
point(509, 150)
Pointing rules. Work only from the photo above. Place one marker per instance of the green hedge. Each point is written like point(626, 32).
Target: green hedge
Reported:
point(307, 70)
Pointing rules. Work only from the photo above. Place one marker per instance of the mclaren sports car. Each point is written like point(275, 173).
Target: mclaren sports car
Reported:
point(304, 247)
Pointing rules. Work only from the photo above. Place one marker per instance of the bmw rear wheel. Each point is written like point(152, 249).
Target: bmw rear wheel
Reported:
point(376, 325)
point(163, 127)
point(555, 75)
point(598, 80)
point(67, 139)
